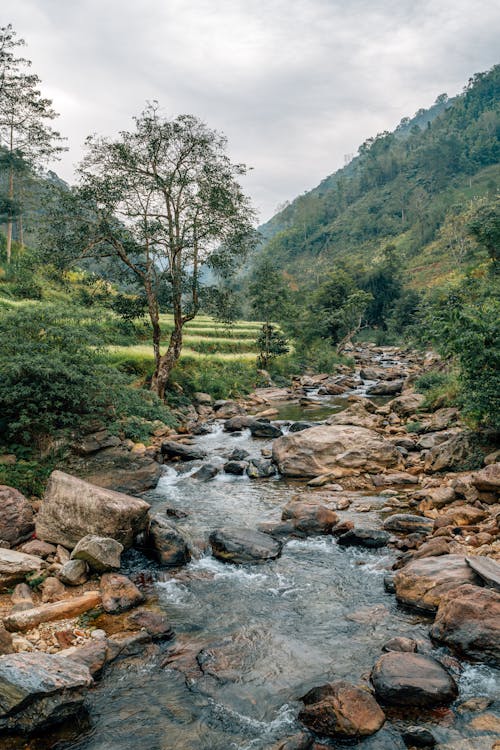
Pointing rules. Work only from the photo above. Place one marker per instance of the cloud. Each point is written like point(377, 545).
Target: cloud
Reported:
point(294, 84)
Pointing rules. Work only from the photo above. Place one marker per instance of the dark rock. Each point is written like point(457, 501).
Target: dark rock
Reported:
point(407, 679)
point(236, 467)
point(170, 547)
point(400, 644)
point(468, 620)
point(238, 454)
point(260, 468)
point(360, 537)
point(387, 388)
point(405, 523)
point(206, 473)
point(100, 553)
point(119, 593)
point(389, 583)
point(38, 690)
point(265, 430)
point(154, 623)
point(418, 737)
point(342, 527)
point(241, 546)
point(281, 529)
point(16, 516)
point(239, 423)
point(174, 449)
point(93, 654)
point(341, 710)
point(299, 426)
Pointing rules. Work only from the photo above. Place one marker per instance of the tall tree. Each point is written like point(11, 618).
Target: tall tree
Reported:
point(25, 133)
point(165, 200)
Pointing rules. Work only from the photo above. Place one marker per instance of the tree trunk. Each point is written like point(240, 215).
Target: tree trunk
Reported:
point(9, 220)
point(21, 232)
point(168, 361)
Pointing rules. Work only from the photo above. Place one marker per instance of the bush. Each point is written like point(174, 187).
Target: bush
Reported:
point(430, 380)
point(219, 378)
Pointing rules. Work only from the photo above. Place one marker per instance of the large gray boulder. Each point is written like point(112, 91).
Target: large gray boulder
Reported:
point(38, 690)
point(15, 566)
point(99, 552)
point(16, 516)
point(407, 679)
point(168, 544)
point(322, 449)
point(73, 508)
point(242, 546)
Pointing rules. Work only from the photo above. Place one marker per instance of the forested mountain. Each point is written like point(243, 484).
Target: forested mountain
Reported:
point(415, 189)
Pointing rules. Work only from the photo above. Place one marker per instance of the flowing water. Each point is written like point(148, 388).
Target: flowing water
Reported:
point(250, 641)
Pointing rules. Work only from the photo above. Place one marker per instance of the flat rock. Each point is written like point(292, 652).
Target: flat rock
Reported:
point(174, 449)
point(241, 546)
point(15, 566)
point(487, 479)
point(100, 553)
point(168, 544)
point(360, 537)
point(73, 508)
point(423, 582)
point(156, 624)
point(38, 690)
point(468, 620)
point(387, 388)
point(406, 523)
point(16, 516)
point(320, 450)
point(119, 593)
point(355, 415)
point(407, 679)
point(486, 568)
point(38, 548)
point(342, 711)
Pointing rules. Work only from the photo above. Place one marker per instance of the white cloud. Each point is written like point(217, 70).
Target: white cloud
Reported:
point(294, 84)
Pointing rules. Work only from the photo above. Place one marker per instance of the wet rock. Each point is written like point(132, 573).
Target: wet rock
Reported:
point(468, 620)
point(260, 468)
point(424, 582)
point(235, 467)
point(174, 449)
point(119, 593)
point(407, 679)
point(388, 388)
point(418, 737)
point(156, 624)
point(52, 590)
point(169, 545)
point(389, 583)
point(301, 741)
point(281, 529)
point(74, 572)
point(15, 566)
point(241, 546)
point(99, 552)
point(123, 645)
point(16, 516)
point(239, 423)
point(299, 426)
point(342, 711)
point(38, 690)
point(405, 523)
point(93, 654)
point(450, 455)
point(73, 508)
point(323, 449)
point(400, 643)
point(360, 537)
point(265, 430)
point(310, 517)
point(238, 454)
point(486, 568)
point(206, 473)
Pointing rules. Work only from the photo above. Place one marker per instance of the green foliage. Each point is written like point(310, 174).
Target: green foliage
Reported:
point(28, 476)
point(430, 380)
point(414, 427)
point(221, 379)
point(271, 343)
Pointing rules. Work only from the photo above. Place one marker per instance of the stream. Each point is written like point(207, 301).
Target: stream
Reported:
point(266, 633)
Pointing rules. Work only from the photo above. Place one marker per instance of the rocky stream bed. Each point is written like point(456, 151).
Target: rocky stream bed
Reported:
point(299, 571)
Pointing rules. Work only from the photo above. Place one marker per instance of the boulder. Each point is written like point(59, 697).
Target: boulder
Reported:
point(463, 515)
point(419, 737)
point(93, 654)
point(322, 449)
point(238, 454)
point(423, 582)
point(265, 430)
point(120, 469)
point(341, 711)
point(371, 538)
point(38, 548)
point(259, 468)
point(406, 404)
point(96, 441)
point(16, 516)
point(154, 623)
point(387, 388)
point(310, 517)
point(239, 423)
point(174, 449)
point(486, 568)
point(299, 426)
point(356, 415)
point(450, 455)
point(400, 643)
point(38, 690)
point(119, 593)
point(15, 566)
point(99, 552)
point(406, 523)
point(52, 590)
point(6, 646)
point(168, 544)
point(468, 620)
point(227, 409)
point(73, 508)
point(487, 479)
point(74, 572)
point(442, 419)
point(235, 467)
point(241, 546)
point(206, 472)
point(203, 398)
point(409, 679)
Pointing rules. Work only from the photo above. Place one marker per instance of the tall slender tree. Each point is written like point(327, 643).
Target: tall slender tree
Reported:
point(25, 133)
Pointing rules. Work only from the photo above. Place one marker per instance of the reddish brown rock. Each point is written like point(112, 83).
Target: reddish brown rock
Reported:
point(468, 620)
point(16, 516)
point(341, 710)
point(310, 517)
point(119, 593)
point(423, 583)
point(38, 548)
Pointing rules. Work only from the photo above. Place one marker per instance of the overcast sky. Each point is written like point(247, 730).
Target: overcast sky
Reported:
point(294, 84)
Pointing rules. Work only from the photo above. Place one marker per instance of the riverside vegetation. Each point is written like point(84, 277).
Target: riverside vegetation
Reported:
point(249, 483)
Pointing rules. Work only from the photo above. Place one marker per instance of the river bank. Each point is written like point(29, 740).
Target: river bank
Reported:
point(364, 528)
